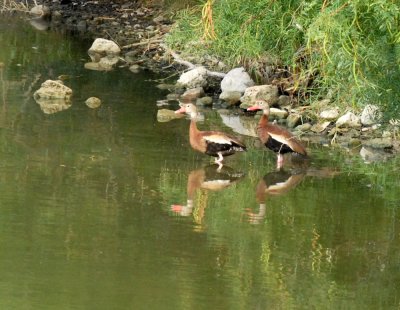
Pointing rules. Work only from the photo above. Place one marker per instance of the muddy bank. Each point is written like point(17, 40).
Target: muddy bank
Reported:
point(138, 29)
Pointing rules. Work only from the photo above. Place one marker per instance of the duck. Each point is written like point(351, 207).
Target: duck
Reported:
point(213, 143)
point(274, 137)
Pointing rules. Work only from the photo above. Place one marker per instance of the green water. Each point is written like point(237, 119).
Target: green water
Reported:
point(86, 196)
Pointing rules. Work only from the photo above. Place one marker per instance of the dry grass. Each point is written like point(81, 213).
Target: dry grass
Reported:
point(12, 5)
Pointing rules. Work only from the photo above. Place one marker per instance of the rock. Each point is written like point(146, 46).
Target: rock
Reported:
point(231, 97)
point(304, 127)
point(267, 92)
point(205, 101)
point(173, 96)
point(192, 94)
point(278, 113)
point(370, 115)
point(41, 11)
point(93, 102)
point(236, 80)
point(165, 115)
point(165, 86)
point(371, 155)
point(320, 127)
point(283, 100)
point(379, 143)
point(96, 66)
point(104, 52)
point(53, 90)
point(81, 26)
point(348, 120)
point(51, 106)
point(39, 24)
point(293, 120)
point(329, 115)
point(134, 68)
point(131, 56)
point(196, 77)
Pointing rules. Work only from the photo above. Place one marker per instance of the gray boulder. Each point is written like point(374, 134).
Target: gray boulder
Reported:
point(349, 120)
point(267, 92)
point(104, 55)
point(236, 80)
point(196, 77)
point(370, 115)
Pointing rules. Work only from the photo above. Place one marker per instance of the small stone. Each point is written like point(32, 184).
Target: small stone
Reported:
point(269, 93)
point(93, 102)
point(205, 101)
point(196, 77)
point(370, 115)
point(134, 68)
point(348, 120)
point(173, 96)
point(293, 120)
point(231, 97)
point(165, 115)
point(320, 127)
point(278, 113)
point(283, 100)
point(51, 89)
point(379, 143)
point(236, 80)
point(192, 94)
point(370, 155)
point(329, 115)
point(304, 127)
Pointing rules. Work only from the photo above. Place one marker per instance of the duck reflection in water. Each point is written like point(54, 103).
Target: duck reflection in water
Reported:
point(210, 178)
point(282, 181)
point(273, 184)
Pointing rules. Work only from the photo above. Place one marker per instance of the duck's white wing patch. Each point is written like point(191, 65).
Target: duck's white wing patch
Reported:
point(278, 138)
point(218, 139)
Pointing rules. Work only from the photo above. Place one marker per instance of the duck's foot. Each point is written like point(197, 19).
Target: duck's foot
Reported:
point(218, 161)
point(279, 162)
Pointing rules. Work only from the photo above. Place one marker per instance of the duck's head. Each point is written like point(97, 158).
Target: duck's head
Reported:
point(260, 104)
point(188, 108)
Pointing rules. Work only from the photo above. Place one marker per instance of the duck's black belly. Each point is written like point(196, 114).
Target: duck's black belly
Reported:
point(277, 147)
point(225, 149)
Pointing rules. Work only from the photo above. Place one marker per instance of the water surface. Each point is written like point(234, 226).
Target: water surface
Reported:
point(85, 204)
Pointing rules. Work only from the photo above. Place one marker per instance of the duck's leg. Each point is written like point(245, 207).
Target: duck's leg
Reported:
point(219, 160)
point(279, 161)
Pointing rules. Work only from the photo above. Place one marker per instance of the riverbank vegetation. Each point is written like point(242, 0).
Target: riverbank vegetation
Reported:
point(348, 51)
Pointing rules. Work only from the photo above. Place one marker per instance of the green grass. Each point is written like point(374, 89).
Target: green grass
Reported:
point(348, 49)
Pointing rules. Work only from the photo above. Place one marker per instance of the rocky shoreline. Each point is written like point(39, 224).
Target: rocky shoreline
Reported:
point(139, 33)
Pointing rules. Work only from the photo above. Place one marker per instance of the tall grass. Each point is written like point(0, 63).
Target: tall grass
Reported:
point(349, 50)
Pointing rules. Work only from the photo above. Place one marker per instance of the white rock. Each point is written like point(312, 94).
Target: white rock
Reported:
point(53, 90)
point(371, 115)
point(196, 77)
point(40, 10)
point(267, 92)
point(231, 97)
point(348, 120)
point(320, 127)
point(236, 80)
point(93, 102)
point(278, 113)
point(329, 115)
point(105, 52)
